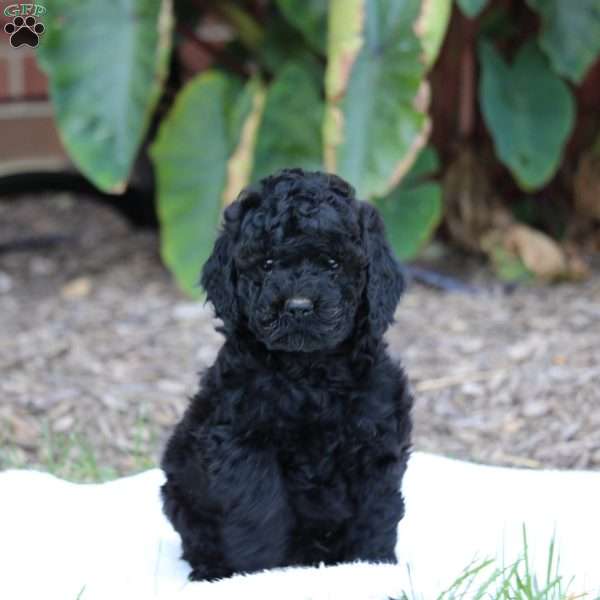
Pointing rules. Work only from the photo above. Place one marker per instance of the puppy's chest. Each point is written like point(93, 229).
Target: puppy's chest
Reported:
point(291, 409)
point(312, 428)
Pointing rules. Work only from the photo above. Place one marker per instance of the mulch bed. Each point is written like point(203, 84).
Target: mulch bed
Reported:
point(96, 339)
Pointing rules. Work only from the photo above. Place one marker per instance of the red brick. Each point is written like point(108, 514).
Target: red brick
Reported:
point(31, 139)
point(36, 82)
point(3, 78)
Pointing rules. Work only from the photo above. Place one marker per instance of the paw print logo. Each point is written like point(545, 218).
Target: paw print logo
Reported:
point(24, 31)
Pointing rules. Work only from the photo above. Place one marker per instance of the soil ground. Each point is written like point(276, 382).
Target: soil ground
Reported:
point(98, 345)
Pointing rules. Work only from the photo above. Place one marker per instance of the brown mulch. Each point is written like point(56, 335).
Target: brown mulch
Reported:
point(95, 339)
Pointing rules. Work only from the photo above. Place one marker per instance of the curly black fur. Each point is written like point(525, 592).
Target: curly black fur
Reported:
point(293, 450)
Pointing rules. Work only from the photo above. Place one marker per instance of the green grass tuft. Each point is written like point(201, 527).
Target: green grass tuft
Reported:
point(70, 456)
point(487, 581)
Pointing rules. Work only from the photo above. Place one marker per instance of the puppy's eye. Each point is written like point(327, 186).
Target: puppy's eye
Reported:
point(333, 264)
point(268, 265)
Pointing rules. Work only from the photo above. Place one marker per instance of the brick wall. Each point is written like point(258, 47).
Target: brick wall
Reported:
point(28, 136)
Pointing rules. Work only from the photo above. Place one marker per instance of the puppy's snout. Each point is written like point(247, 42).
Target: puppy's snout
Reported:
point(299, 306)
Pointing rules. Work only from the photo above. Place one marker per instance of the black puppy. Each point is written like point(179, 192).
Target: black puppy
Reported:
point(293, 450)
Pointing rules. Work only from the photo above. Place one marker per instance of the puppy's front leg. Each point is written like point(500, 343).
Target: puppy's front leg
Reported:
point(257, 517)
point(372, 535)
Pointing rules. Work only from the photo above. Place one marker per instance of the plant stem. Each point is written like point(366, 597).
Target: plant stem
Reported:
point(250, 32)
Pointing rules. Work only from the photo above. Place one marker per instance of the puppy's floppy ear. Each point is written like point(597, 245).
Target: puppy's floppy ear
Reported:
point(218, 275)
point(385, 282)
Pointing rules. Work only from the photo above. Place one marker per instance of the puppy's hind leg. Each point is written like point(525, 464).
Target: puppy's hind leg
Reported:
point(226, 499)
point(199, 529)
point(194, 511)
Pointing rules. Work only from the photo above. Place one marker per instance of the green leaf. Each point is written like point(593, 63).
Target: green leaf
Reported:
point(570, 34)
point(529, 111)
point(471, 8)
point(413, 210)
point(310, 17)
point(245, 119)
point(376, 117)
point(509, 267)
point(106, 62)
point(431, 27)
point(284, 44)
point(426, 165)
point(290, 131)
point(191, 155)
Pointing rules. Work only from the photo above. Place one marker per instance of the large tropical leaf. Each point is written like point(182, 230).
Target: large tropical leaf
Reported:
point(472, 8)
point(413, 210)
point(376, 117)
point(570, 34)
point(106, 62)
point(290, 132)
point(310, 17)
point(243, 130)
point(431, 27)
point(211, 125)
point(529, 112)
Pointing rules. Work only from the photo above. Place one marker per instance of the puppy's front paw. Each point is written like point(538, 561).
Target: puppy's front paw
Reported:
point(204, 573)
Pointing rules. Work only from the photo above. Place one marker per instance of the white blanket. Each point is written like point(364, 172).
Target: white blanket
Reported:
point(65, 541)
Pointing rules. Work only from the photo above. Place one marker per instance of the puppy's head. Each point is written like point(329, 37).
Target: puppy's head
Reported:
point(300, 261)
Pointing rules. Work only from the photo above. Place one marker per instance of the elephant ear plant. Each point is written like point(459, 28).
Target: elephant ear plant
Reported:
point(334, 85)
point(340, 85)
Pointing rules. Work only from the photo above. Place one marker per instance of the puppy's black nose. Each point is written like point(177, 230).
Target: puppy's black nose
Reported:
point(298, 306)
